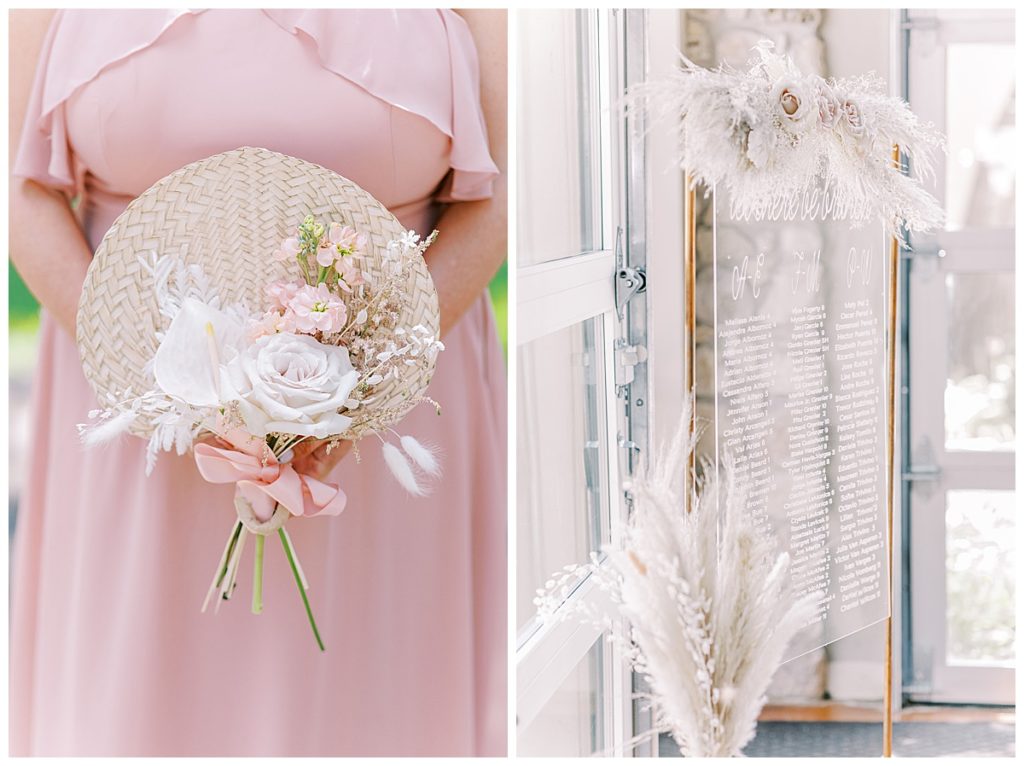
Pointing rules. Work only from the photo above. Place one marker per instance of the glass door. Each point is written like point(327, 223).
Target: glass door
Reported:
point(962, 438)
point(575, 359)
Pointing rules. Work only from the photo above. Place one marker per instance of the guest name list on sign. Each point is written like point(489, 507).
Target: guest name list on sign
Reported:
point(800, 404)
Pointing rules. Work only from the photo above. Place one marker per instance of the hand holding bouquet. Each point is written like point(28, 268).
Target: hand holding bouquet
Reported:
point(326, 334)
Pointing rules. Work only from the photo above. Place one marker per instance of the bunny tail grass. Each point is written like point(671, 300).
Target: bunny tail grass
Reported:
point(421, 455)
point(401, 470)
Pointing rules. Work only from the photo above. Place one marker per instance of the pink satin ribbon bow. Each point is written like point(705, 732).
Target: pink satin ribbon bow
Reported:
point(266, 483)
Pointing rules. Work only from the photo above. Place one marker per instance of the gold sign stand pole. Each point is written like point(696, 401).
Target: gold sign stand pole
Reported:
point(894, 259)
point(690, 292)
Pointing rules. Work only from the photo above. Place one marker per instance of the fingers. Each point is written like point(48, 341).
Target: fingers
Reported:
point(304, 448)
point(317, 461)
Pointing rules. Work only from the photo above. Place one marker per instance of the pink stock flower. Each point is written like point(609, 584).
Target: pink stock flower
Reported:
point(349, 275)
point(314, 309)
point(289, 249)
point(340, 242)
point(281, 293)
point(269, 324)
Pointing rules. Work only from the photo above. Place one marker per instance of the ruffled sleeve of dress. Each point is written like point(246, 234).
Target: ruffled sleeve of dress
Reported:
point(423, 61)
point(78, 46)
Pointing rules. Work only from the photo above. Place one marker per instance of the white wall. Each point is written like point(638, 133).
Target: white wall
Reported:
point(857, 41)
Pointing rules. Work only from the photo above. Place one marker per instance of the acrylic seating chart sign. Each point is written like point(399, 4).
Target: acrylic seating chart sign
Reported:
point(799, 329)
point(805, 200)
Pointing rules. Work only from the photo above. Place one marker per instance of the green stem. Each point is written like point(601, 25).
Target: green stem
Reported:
point(257, 576)
point(298, 582)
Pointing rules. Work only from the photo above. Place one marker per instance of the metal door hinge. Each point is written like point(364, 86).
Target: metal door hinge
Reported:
point(922, 473)
point(632, 456)
point(920, 253)
point(921, 24)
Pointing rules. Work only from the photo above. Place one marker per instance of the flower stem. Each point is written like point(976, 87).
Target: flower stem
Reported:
point(222, 565)
point(298, 582)
point(257, 576)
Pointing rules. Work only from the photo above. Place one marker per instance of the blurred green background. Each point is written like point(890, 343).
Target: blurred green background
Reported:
point(23, 318)
point(23, 307)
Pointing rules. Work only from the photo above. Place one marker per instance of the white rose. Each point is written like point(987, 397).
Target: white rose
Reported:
point(290, 384)
point(793, 102)
point(853, 122)
point(830, 109)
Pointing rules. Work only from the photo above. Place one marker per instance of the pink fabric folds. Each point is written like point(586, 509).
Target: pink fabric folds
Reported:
point(66, 64)
point(78, 49)
point(265, 483)
point(348, 50)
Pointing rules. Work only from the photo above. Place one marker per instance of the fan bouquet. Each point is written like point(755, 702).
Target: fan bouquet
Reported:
point(248, 303)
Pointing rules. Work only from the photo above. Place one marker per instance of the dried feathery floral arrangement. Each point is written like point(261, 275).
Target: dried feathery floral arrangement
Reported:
point(787, 145)
point(706, 598)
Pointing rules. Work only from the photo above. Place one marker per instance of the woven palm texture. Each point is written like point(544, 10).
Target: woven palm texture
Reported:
point(228, 213)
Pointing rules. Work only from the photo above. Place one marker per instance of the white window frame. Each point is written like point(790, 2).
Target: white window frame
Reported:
point(971, 250)
point(552, 296)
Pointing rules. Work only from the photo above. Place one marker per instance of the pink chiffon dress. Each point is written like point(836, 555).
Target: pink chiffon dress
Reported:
point(110, 655)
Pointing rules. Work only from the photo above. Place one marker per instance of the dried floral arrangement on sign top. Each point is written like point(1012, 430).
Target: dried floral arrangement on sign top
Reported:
point(790, 145)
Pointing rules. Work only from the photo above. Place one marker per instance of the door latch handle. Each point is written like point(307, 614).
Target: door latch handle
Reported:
point(628, 282)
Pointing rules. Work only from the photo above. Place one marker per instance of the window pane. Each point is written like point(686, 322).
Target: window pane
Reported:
point(572, 721)
point(980, 125)
point(561, 455)
point(980, 406)
point(559, 144)
point(980, 574)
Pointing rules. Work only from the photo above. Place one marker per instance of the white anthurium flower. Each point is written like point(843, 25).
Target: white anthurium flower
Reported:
point(183, 363)
point(292, 384)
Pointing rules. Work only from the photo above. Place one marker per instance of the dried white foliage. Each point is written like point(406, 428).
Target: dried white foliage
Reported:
point(707, 598)
point(791, 146)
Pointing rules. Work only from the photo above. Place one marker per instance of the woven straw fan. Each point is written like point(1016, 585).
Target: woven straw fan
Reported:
point(228, 213)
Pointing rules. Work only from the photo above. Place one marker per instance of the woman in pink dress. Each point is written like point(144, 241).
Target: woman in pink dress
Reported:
point(110, 654)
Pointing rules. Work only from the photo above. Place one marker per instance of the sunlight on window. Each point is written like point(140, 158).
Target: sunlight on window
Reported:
point(980, 577)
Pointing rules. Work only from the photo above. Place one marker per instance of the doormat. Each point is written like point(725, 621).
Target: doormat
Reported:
point(836, 739)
